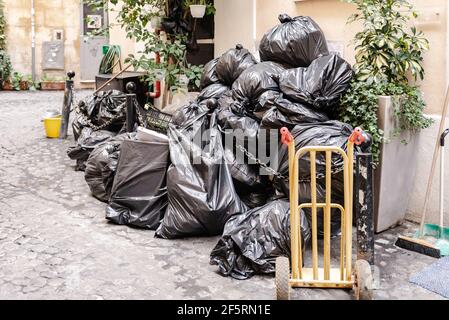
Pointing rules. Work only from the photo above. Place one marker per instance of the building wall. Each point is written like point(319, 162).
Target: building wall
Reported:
point(235, 23)
point(331, 15)
point(50, 15)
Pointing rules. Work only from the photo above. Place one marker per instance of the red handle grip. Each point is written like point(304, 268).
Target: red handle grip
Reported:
point(286, 136)
point(357, 136)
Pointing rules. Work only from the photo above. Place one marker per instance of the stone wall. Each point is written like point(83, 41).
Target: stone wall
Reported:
point(50, 15)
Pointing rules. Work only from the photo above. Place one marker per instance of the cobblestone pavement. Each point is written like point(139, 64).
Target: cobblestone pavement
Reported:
point(56, 244)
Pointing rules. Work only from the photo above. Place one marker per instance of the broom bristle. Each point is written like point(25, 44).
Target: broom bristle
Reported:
point(418, 246)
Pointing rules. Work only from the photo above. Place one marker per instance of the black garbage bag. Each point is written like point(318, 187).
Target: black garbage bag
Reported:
point(78, 124)
point(86, 143)
point(101, 166)
point(188, 112)
point(214, 91)
point(254, 81)
point(331, 133)
point(285, 113)
point(200, 190)
point(139, 193)
point(295, 42)
point(321, 85)
point(209, 75)
point(229, 119)
point(106, 109)
point(252, 241)
point(232, 63)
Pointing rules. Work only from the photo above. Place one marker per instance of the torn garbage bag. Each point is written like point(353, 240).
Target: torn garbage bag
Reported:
point(201, 194)
point(232, 63)
point(86, 143)
point(256, 80)
point(101, 166)
point(252, 241)
point(331, 133)
point(295, 42)
point(139, 193)
point(209, 75)
point(321, 85)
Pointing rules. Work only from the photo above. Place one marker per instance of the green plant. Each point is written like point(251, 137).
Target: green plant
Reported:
point(2, 27)
point(135, 16)
point(388, 52)
point(5, 66)
point(16, 79)
point(210, 8)
point(33, 85)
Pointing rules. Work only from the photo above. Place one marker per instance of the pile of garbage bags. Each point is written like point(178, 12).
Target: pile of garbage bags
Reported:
point(99, 118)
point(193, 182)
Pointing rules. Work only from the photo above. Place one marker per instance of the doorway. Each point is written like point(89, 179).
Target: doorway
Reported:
point(91, 44)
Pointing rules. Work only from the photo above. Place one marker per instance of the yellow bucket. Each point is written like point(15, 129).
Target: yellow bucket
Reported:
point(52, 127)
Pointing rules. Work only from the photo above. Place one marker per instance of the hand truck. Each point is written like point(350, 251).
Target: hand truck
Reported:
point(361, 280)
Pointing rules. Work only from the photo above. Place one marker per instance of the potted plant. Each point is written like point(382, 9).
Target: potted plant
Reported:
point(52, 83)
point(5, 69)
point(386, 102)
point(17, 82)
point(197, 8)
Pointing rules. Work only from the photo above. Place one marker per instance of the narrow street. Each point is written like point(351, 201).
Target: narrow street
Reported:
point(56, 244)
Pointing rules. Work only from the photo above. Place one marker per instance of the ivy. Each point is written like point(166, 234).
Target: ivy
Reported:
point(388, 52)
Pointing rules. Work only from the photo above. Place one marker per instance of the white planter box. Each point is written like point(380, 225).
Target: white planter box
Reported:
point(198, 10)
point(394, 178)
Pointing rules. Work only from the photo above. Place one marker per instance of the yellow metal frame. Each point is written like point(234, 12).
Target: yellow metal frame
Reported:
point(325, 277)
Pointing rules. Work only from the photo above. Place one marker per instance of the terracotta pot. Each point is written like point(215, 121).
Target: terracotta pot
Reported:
point(52, 85)
point(24, 85)
point(7, 86)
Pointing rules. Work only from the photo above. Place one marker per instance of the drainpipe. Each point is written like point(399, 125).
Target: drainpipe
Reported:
point(33, 40)
point(157, 85)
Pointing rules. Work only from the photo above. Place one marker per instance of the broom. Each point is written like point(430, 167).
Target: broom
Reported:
point(418, 244)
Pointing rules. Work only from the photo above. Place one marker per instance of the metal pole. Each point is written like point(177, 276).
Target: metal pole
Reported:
point(68, 97)
point(364, 203)
point(130, 106)
point(33, 40)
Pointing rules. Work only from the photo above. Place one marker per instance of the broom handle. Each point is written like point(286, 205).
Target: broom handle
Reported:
point(434, 163)
point(112, 79)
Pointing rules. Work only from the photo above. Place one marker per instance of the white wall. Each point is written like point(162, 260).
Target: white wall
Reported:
point(425, 154)
point(235, 22)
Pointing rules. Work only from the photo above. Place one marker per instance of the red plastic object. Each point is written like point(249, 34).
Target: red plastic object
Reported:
point(286, 136)
point(357, 136)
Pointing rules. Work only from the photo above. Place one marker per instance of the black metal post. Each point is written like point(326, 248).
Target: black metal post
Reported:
point(68, 97)
point(364, 202)
point(130, 106)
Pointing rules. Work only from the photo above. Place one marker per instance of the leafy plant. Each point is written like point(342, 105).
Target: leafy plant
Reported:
point(210, 8)
point(16, 79)
point(2, 27)
point(5, 66)
point(388, 53)
point(32, 84)
point(135, 17)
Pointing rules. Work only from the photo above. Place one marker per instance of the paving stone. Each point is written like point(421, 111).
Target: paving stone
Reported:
point(55, 242)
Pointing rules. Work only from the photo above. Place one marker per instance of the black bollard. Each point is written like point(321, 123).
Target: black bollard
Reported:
point(130, 106)
point(67, 104)
point(364, 201)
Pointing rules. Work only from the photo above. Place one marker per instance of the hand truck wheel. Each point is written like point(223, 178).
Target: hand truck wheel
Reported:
point(363, 280)
point(282, 278)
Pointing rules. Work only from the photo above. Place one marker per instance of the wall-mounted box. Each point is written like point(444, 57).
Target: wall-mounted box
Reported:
point(53, 55)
